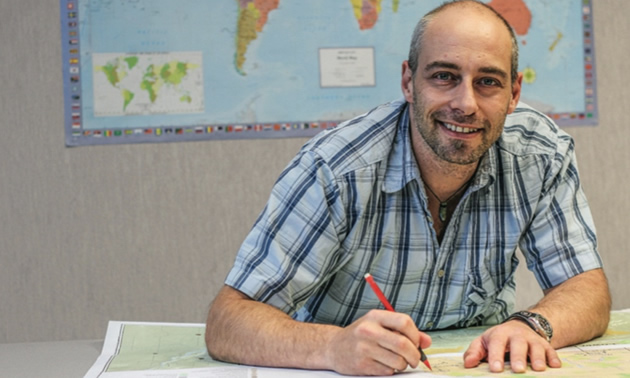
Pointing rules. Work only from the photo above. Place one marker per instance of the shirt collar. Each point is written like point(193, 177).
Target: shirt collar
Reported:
point(402, 167)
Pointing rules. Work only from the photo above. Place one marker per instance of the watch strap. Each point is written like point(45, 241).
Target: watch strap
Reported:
point(535, 321)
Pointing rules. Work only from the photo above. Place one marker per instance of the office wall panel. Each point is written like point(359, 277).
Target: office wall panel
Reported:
point(148, 232)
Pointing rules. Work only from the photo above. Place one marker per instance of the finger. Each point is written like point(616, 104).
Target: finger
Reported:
point(475, 353)
point(425, 340)
point(552, 358)
point(538, 357)
point(518, 355)
point(402, 348)
point(393, 360)
point(384, 329)
point(497, 347)
point(403, 324)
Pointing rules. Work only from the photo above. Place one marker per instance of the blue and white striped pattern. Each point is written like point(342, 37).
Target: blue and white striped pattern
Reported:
point(352, 202)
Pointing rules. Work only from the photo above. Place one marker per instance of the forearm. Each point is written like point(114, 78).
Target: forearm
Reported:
point(245, 331)
point(578, 309)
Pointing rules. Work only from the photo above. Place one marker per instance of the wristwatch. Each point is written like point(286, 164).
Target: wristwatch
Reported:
point(535, 321)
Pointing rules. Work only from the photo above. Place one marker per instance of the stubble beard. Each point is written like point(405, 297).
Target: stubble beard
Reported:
point(455, 151)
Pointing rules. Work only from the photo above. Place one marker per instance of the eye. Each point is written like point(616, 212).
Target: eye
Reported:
point(444, 76)
point(490, 82)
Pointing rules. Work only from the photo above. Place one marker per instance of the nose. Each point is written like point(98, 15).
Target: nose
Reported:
point(464, 99)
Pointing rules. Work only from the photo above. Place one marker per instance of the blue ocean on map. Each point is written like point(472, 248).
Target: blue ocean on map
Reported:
point(280, 79)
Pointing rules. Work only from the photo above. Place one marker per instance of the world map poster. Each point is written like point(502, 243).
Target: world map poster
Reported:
point(144, 71)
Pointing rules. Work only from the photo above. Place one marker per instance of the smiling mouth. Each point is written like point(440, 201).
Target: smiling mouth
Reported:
point(459, 129)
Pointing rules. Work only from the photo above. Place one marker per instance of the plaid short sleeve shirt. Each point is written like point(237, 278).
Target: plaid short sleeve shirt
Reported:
point(352, 202)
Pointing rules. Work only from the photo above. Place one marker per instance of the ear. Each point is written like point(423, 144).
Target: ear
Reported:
point(516, 92)
point(407, 82)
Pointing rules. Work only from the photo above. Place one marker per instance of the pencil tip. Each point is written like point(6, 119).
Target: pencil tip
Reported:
point(426, 362)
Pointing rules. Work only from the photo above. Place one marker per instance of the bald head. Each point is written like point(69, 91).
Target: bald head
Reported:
point(462, 9)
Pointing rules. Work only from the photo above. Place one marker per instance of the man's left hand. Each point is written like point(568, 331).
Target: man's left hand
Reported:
point(520, 341)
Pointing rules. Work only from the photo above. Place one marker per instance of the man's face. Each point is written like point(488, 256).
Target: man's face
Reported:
point(462, 90)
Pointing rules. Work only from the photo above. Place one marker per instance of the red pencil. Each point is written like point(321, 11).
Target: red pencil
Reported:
point(388, 306)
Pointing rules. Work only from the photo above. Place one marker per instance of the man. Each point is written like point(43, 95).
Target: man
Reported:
point(432, 196)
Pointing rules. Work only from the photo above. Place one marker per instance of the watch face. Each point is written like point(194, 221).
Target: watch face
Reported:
point(542, 323)
point(538, 323)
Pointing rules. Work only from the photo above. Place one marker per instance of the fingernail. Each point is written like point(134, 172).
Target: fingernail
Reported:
point(518, 366)
point(497, 366)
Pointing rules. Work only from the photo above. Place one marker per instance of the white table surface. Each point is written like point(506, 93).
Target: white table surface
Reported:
point(55, 359)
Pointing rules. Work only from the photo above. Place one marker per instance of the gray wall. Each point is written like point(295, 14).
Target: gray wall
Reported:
point(148, 232)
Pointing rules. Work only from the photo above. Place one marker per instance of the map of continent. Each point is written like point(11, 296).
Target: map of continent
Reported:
point(148, 83)
point(516, 13)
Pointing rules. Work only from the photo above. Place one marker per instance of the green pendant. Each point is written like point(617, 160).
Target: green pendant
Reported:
point(442, 211)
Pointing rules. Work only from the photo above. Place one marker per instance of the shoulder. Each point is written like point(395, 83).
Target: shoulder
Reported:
point(530, 132)
point(362, 141)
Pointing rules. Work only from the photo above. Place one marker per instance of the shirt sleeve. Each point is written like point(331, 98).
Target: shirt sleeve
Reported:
point(561, 241)
point(295, 243)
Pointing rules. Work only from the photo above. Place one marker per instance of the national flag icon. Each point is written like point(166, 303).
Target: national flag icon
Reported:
point(74, 60)
point(108, 133)
point(74, 70)
point(209, 129)
point(74, 51)
point(74, 79)
point(72, 14)
point(118, 133)
point(72, 33)
point(76, 125)
point(238, 128)
point(72, 24)
point(198, 130)
point(98, 133)
point(258, 127)
point(179, 131)
point(74, 41)
point(158, 132)
point(128, 132)
point(70, 5)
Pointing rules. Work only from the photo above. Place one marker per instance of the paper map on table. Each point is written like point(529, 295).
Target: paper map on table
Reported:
point(133, 349)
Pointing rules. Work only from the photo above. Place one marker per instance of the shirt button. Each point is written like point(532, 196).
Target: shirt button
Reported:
point(429, 324)
point(441, 273)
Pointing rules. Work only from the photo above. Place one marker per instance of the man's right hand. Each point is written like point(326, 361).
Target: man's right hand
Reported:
point(241, 330)
point(379, 343)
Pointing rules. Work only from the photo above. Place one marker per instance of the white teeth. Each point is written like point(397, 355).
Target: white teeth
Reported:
point(458, 129)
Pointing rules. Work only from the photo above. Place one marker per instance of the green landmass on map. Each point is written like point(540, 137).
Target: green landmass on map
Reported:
point(155, 76)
